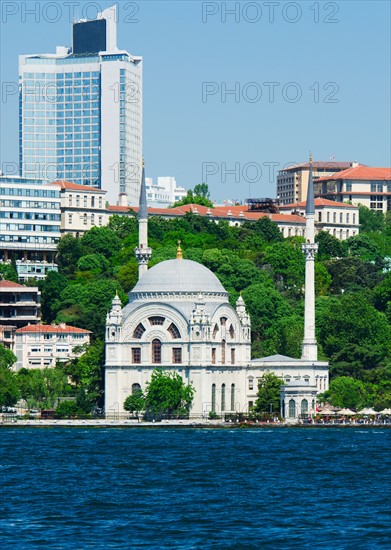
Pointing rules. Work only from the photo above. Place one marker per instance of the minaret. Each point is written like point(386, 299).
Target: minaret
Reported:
point(309, 345)
point(143, 252)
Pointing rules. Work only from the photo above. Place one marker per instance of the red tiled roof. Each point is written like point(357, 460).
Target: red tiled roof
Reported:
point(53, 328)
point(318, 202)
point(360, 173)
point(330, 164)
point(222, 212)
point(76, 187)
point(10, 284)
point(116, 208)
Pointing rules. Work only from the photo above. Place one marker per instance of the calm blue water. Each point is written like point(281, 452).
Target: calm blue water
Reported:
point(158, 488)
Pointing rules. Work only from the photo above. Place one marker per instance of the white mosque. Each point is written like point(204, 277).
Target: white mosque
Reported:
point(179, 318)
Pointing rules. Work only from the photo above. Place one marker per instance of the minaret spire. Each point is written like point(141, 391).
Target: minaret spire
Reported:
point(309, 345)
point(143, 252)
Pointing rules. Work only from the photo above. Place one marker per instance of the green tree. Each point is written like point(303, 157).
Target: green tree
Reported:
point(370, 220)
point(9, 391)
point(86, 373)
point(202, 189)
point(166, 393)
point(101, 240)
point(382, 293)
point(69, 251)
point(269, 386)
point(8, 272)
point(123, 226)
point(345, 391)
point(51, 288)
point(329, 246)
point(193, 198)
point(68, 409)
point(135, 403)
point(7, 358)
point(352, 320)
point(42, 387)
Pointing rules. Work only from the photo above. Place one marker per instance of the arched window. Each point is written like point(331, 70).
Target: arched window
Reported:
point(156, 351)
point(304, 406)
point(215, 330)
point(139, 331)
point(173, 330)
point(232, 397)
point(223, 352)
point(135, 388)
point(223, 321)
point(223, 397)
point(232, 332)
point(292, 408)
point(156, 320)
point(214, 397)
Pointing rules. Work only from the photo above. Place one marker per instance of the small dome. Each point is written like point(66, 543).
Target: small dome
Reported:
point(179, 276)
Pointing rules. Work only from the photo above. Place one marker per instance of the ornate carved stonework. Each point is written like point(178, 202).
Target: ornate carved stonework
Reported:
point(143, 254)
point(310, 249)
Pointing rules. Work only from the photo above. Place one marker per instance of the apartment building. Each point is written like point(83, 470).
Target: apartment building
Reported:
point(41, 346)
point(366, 185)
point(292, 182)
point(82, 207)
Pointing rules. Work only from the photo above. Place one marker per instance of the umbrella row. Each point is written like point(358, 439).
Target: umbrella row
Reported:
point(348, 412)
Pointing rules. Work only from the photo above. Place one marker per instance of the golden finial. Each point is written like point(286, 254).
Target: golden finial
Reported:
point(310, 157)
point(179, 255)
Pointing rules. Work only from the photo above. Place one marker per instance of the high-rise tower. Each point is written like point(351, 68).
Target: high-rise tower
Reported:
point(309, 345)
point(81, 112)
point(143, 252)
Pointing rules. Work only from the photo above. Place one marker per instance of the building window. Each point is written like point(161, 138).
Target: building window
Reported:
point(70, 200)
point(223, 352)
point(156, 351)
point(354, 219)
point(251, 383)
point(223, 321)
point(223, 397)
point(232, 397)
point(92, 202)
point(213, 356)
point(304, 406)
point(177, 355)
point(85, 219)
point(77, 200)
point(334, 217)
point(100, 202)
point(348, 186)
point(135, 388)
point(85, 201)
point(319, 216)
point(292, 408)
point(328, 217)
point(173, 330)
point(341, 218)
point(215, 331)
point(156, 320)
point(250, 405)
point(231, 332)
point(232, 356)
point(213, 397)
point(92, 219)
point(347, 218)
point(136, 355)
point(138, 331)
point(100, 220)
point(70, 219)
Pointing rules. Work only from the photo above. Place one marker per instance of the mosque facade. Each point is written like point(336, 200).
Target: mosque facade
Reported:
point(179, 318)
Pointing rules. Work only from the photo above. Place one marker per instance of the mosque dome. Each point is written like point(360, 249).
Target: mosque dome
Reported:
point(179, 276)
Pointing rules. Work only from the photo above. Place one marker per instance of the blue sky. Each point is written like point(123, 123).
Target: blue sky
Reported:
point(329, 63)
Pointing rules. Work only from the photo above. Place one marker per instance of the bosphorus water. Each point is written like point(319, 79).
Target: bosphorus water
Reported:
point(75, 488)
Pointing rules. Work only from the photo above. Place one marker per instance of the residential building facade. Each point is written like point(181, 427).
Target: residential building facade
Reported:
point(337, 218)
point(82, 207)
point(19, 305)
point(366, 185)
point(30, 220)
point(81, 112)
point(41, 346)
point(292, 182)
